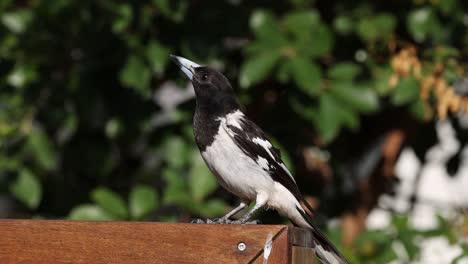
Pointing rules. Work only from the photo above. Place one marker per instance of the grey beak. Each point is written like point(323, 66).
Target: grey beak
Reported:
point(188, 67)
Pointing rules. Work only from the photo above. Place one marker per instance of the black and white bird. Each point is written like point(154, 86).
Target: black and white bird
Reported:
point(242, 158)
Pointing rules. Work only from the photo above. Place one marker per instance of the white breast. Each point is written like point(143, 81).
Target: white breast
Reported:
point(235, 171)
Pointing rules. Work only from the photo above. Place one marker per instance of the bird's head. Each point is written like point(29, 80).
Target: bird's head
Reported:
point(210, 85)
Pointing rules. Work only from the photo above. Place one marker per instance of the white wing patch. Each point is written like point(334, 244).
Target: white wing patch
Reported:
point(267, 146)
point(263, 163)
point(234, 119)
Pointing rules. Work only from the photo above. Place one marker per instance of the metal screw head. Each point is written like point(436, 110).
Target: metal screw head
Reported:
point(241, 246)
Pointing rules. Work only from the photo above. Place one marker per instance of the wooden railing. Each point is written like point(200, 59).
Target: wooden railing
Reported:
point(48, 241)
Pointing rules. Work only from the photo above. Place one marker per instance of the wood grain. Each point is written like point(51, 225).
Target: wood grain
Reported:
point(45, 241)
point(302, 255)
point(300, 237)
point(279, 251)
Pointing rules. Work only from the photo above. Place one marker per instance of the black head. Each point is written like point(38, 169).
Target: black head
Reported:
point(212, 88)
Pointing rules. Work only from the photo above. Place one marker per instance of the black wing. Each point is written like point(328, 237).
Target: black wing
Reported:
point(254, 143)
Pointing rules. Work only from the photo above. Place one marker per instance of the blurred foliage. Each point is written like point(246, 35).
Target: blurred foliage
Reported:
point(93, 126)
point(399, 242)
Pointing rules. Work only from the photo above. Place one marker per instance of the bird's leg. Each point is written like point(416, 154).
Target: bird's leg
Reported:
point(225, 219)
point(245, 218)
point(259, 203)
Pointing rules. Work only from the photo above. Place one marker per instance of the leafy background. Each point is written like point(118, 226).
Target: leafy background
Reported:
point(95, 123)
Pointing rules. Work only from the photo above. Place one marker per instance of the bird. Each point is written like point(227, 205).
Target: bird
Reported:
point(244, 160)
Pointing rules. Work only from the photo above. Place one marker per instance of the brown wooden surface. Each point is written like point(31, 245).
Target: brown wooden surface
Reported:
point(279, 251)
point(300, 237)
point(302, 255)
point(46, 241)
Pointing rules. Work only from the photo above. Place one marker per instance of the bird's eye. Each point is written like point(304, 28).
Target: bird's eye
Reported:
point(204, 77)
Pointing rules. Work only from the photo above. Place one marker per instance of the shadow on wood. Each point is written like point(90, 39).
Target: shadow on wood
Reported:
point(38, 241)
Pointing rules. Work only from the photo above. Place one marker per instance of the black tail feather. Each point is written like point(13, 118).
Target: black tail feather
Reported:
point(322, 244)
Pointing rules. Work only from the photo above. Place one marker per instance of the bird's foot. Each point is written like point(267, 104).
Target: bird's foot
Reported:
point(209, 221)
point(224, 221)
point(200, 221)
point(221, 221)
point(239, 222)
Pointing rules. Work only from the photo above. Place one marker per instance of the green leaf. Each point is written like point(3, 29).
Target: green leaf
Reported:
point(306, 75)
point(418, 23)
point(331, 116)
point(451, 75)
point(348, 118)
point(418, 110)
point(136, 74)
point(176, 190)
point(303, 109)
point(387, 256)
point(322, 42)
point(371, 235)
point(176, 152)
point(158, 56)
point(257, 68)
point(375, 27)
point(113, 127)
point(283, 74)
point(367, 29)
point(326, 119)
point(17, 21)
point(343, 24)
point(386, 23)
point(408, 240)
point(89, 212)
point(310, 37)
point(448, 6)
point(400, 222)
point(22, 75)
point(42, 148)
point(406, 91)
point(344, 71)
point(27, 189)
point(265, 27)
point(447, 229)
point(110, 201)
point(316, 43)
point(142, 200)
point(124, 17)
point(381, 80)
point(301, 22)
point(202, 181)
point(423, 23)
point(363, 100)
point(174, 10)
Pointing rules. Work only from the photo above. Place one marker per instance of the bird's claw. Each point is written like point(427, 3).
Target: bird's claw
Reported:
point(199, 221)
point(238, 222)
point(224, 221)
point(207, 221)
point(253, 222)
point(221, 221)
